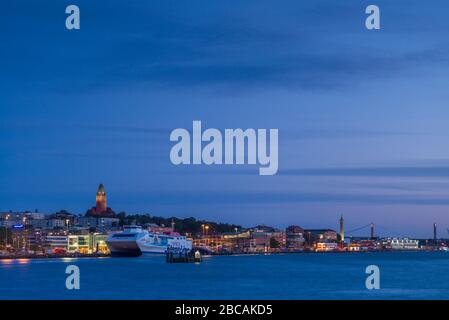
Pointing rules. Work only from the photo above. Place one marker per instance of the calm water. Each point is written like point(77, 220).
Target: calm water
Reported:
point(414, 275)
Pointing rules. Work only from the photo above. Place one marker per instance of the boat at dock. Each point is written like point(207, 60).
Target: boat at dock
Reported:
point(135, 241)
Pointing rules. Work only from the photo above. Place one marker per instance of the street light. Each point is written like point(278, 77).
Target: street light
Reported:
point(24, 232)
point(207, 241)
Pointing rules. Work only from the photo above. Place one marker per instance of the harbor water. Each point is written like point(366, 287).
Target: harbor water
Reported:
point(403, 275)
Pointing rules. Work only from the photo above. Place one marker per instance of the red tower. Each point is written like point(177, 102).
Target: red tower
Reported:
point(101, 205)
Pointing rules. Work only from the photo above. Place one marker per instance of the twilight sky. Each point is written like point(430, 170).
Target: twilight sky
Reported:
point(362, 115)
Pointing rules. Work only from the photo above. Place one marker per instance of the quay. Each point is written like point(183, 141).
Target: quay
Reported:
point(52, 256)
point(183, 256)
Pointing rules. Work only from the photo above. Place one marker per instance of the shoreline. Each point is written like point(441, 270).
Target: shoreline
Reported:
point(53, 256)
point(82, 256)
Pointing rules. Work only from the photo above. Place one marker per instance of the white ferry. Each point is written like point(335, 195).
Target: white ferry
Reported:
point(134, 241)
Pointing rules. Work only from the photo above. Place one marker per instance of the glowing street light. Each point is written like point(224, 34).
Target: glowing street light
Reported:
point(23, 234)
point(207, 228)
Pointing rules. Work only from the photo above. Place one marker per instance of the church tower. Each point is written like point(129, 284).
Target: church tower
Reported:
point(100, 206)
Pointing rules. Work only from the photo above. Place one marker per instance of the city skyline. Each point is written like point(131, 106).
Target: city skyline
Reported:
point(361, 115)
point(101, 210)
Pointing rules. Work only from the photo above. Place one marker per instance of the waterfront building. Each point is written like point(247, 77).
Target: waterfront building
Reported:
point(403, 244)
point(320, 235)
point(98, 243)
point(353, 247)
point(56, 243)
point(213, 242)
point(265, 239)
point(365, 244)
point(78, 244)
point(88, 243)
point(326, 246)
point(294, 237)
point(261, 242)
point(239, 242)
point(237, 235)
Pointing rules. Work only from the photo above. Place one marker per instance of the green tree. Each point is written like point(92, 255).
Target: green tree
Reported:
point(274, 243)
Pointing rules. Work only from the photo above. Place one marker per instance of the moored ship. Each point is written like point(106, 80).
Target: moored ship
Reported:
point(135, 241)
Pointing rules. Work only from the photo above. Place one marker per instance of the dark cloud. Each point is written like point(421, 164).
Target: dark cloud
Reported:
point(183, 44)
point(235, 198)
point(437, 172)
point(378, 172)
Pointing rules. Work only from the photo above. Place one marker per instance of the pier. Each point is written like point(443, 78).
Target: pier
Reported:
point(173, 256)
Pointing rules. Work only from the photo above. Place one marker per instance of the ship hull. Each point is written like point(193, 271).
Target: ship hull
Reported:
point(153, 249)
point(124, 249)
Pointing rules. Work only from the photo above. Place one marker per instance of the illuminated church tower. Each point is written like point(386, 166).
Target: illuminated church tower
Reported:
point(101, 206)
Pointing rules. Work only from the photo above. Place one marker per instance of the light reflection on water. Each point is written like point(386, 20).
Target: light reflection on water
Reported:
point(277, 276)
point(13, 261)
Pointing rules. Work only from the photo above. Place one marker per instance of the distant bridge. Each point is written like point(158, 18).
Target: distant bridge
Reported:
point(368, 231)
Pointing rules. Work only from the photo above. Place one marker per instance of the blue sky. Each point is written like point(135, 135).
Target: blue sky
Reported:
point(362, 115)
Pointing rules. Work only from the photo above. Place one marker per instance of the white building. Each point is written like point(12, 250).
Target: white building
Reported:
point(57, 242)
point(403, 244)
